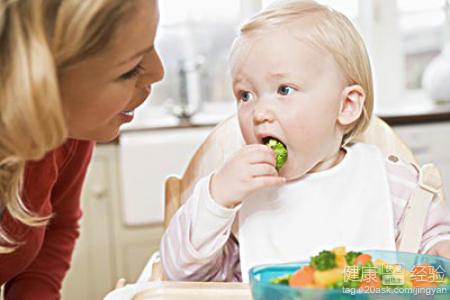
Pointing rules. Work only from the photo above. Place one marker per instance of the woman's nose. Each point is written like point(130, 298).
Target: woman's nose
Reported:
point(159, 68)
point(153, 70)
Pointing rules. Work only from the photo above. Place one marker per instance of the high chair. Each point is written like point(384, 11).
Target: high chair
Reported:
point(225, 139)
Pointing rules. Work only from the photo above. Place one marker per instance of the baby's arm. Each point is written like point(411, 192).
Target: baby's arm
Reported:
point(200, 230)
point(441, 248)
point(197, 245)
point(436, 237)
point(403, 178)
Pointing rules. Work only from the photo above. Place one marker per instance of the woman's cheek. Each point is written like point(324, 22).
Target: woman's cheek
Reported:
point(122, 96)
point(139, 95)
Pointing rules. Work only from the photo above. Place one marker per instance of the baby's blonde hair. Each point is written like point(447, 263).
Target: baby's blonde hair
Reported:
point(38, 38)
point(333, 32)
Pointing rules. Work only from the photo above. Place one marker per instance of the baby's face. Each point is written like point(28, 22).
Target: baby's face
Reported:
point(288, 89)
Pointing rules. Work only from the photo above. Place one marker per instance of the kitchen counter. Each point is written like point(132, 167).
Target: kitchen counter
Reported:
point(415, 109)
point(436, 114)
point(154, 118)
point(157, 117)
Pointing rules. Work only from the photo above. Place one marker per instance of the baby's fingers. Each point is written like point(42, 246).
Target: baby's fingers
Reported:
point(259, 154)
point(267, 181)
point(263, 169)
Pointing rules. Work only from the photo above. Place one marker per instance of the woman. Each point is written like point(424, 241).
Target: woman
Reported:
point(71, 73)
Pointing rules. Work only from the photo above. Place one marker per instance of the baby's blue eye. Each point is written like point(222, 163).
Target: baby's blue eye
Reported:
point(245, 96)
point(285, 90)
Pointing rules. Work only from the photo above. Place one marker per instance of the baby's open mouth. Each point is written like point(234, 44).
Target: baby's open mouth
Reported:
point(279, 148)
point(267, 139)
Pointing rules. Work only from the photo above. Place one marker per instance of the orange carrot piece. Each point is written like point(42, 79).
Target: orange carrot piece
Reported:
point(303, 277)
point(362, 259)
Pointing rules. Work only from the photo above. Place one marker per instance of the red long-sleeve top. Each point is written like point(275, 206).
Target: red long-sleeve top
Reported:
point(35, 270)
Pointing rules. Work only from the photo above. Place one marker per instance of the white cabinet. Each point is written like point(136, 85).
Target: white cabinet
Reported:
point(93, 271)
point(146, 159)
point(108, 247)
point(430, 143)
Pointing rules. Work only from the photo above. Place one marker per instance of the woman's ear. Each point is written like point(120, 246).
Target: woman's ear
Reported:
point(352, 103)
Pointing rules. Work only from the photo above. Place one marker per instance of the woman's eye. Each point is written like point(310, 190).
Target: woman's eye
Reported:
point(285, 90)
point(245, 96)
point(132, 73)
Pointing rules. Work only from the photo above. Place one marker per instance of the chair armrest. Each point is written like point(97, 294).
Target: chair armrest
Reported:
point(153, 270)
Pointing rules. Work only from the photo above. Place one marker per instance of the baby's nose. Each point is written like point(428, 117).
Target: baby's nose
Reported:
point(262, 116)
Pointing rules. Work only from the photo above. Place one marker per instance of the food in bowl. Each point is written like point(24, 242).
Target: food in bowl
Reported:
point(337, 269)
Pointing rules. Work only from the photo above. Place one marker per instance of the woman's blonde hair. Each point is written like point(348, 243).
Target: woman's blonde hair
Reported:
point(38, 38)
point(331, 31)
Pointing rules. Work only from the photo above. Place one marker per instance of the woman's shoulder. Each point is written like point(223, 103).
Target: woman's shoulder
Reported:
point(66, 161)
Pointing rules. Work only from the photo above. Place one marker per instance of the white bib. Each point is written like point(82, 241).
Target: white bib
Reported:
point(347, 205)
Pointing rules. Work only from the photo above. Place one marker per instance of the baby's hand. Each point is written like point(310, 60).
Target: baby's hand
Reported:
point(248, 170)
point(441, 248)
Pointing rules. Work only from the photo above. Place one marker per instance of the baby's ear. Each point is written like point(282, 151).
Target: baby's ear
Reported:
point(352, 103)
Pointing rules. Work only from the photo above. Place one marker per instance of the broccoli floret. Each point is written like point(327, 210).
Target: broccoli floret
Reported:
point(337, 285)
point(326, 260)
point(380, 271)
point(369, 264)
point(280, 151)
point(351, 256)
point(353, 284)
point(282, 279)
point(445, 282)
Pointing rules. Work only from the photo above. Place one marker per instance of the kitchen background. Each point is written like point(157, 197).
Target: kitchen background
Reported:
point(123, 196)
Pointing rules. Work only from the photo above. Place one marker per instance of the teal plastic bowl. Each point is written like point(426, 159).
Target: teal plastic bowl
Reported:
point(263, 289)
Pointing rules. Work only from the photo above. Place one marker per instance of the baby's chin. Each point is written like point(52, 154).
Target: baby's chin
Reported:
point(291, 172)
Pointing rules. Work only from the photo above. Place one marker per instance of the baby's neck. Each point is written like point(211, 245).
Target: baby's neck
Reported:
point(330, 161)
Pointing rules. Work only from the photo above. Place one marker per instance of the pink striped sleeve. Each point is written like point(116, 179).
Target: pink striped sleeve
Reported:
point(403, 178)
point(215, 254)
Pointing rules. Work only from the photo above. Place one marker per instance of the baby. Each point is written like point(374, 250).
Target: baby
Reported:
point(301, 76)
